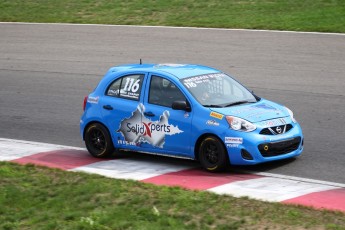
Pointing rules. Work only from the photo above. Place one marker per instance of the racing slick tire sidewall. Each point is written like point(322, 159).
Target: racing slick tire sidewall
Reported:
point(212, 154)
point(104, 146)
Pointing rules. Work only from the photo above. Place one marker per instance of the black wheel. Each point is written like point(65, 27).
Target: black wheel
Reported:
point(98, 141)
point(212, 154)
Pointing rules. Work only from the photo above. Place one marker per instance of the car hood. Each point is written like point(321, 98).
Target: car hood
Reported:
point(255, 112)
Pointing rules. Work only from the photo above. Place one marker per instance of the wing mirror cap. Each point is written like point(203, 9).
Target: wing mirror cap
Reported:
point(181, 105)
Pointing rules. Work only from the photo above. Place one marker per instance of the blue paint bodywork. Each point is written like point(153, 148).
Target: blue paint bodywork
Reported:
point(177, 132)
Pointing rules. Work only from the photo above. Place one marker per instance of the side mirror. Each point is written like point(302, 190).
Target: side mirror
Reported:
point(181, 105)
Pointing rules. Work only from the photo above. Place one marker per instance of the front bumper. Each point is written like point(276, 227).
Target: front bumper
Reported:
point(259, 148)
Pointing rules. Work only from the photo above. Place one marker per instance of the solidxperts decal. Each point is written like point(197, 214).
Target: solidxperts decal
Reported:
point(139, 129)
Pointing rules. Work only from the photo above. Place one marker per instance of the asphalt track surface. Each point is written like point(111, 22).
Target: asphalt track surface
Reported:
point(47, 69)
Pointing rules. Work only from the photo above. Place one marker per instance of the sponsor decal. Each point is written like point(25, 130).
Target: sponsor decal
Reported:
point(212, 122)
point(256, 114)
point(123, 142)
point(274, 122)
point(186, 115)
point(233, 140)
point(257, 110)
point(93, 100)
point(243, 110)
point(169, 65)
point(265, 106)
point(131, 88)
point(232, 145)
point(193, 82)
point(139, 129)
point(216, 115)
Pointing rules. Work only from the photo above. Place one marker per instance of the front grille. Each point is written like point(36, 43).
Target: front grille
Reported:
point(276, 130)
point(279, 148)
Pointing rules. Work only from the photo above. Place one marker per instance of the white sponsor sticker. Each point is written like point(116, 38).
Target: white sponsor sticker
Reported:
point(232, 145)
point(274, 122)
point(212, 122)
point(233, 140)
point(93, 100)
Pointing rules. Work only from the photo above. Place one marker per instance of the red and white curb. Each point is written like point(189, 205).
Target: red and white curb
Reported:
point(262, 186)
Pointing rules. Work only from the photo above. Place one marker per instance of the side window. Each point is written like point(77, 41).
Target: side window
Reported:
point(114, 88)
point(128, 87)
point(163, 92)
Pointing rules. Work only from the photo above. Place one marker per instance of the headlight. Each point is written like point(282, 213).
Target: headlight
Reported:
point(240, 124)
point(291, 114)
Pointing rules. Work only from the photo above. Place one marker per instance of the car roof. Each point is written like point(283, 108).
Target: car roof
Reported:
point(178, 70)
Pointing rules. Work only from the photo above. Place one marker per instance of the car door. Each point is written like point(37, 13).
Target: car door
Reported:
point(167, 131)
point(121, 108)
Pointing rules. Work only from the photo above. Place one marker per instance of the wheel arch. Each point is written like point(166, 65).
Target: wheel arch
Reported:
point(95, 122)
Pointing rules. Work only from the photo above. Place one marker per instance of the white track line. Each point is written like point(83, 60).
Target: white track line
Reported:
point(175, 27)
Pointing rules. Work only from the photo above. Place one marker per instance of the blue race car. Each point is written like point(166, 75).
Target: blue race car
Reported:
point(186, 111)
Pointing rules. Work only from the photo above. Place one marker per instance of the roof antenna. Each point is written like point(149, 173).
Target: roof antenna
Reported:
point(141, 62)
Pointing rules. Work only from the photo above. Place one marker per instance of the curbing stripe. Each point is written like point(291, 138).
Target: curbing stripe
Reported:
point(270, 189)
point(64, 159)
point(11, 149)
point(130, 169)
point(263, 186)
point(330, 199)
point(340, 185)
point(198, 179)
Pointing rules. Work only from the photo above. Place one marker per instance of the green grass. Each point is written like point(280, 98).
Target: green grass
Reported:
point(299, 15)
point(40, 198)
point(34, 197)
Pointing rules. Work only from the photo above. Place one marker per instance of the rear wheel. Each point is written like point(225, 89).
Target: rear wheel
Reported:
point(212, 154)
point(98, 141)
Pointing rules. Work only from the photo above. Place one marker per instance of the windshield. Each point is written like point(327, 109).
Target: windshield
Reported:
point(217, 90)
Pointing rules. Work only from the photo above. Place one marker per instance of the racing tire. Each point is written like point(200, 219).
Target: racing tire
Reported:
point(212, 154)
point(98, 141)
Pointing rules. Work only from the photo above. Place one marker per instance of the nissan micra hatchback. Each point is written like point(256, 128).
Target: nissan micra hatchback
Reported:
point(186, 111)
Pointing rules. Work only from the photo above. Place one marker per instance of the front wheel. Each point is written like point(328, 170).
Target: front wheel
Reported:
point(212, 154)
point(98, 141)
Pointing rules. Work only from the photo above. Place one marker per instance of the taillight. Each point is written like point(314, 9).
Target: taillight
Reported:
point(84, 104)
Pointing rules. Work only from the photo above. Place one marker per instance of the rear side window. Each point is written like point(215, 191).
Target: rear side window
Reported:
point(128, 87)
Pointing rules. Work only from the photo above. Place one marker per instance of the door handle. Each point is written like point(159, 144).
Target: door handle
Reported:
point(149, 114)
point(107, 107)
